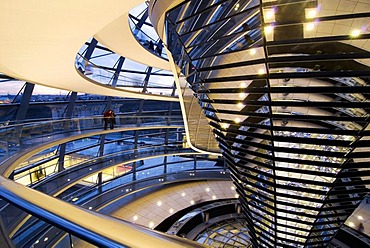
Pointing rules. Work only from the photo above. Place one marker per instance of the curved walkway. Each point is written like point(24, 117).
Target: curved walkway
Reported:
point(41, 39)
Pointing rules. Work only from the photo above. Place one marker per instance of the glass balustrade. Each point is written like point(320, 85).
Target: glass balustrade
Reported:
point(103, 75)
point(18, 137)
point(149, 40)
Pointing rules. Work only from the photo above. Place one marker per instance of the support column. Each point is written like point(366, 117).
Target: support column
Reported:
point(68, 114)
point(146, 80)
point(25, 102)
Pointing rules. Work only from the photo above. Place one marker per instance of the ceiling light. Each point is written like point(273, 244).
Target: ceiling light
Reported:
point(360, 217)
point(261, 71)
point(236, 195)
point(269, 29)
point(242, 94)
point(135, 217)
point(225, 125)
point(207, 189)
point(159, 203)
point(236, 6)
point(252, 51)
point(214, 197)
point(237, 120)
point(240, 105)
point(269, 15)
point(311, 13)
point(356, 33)
point(232, 187)
point(192, 202)
point(151, 224)
point(310, 26)
point(351, 224)
point(243, 85)
point(171, 210)
point(183, 194)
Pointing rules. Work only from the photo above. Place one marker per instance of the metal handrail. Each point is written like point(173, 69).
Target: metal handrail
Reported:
point(110, 232)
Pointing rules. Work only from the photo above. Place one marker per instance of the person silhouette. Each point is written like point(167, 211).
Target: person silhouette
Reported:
point(109, 118)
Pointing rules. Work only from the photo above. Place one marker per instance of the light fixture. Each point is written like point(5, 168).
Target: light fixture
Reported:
point(135, 217)
point(355, 32)
point(243, 85)
point(236, 195)
point(310, 26)
point(192, 202)
point(241, 94)
point(269, 15)
point(360, 217)
point(214, 197)
point(151, 224)
point(75, 199)
point(240, 105)
point(351, 224)
point(237, 120)
point(236, 6)
point(232, 187)
point(183, 194)
point(159, 203)
point(261, 71)
point(46, 239)
point(269, 29)
point(311, 13)
point(225, 125)
point(252, 51)
point(208, 189)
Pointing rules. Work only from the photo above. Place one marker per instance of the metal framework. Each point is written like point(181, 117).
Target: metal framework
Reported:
point(288, 101)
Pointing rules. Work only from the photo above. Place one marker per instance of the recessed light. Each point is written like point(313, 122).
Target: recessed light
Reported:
point(310, 26)
point(356, 33)
point(311, 13)
point(269, 15)
point(269, 29)
point(151, 224)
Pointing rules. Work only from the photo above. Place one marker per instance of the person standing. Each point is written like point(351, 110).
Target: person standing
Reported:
point(109, 118)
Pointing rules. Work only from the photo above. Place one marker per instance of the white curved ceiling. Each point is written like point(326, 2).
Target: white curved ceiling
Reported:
point(40, 39)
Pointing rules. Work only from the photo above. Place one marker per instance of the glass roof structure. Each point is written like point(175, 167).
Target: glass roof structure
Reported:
point(285, 85)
